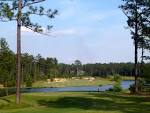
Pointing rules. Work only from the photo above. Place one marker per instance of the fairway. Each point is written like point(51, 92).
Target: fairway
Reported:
point(76, 102)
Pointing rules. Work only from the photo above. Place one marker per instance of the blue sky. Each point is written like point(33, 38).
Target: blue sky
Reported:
point(88, 30)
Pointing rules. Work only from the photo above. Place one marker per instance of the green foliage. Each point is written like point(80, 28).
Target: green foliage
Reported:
point(137, 12)
point(2, 92)
point(7, 63)
point(140, 87)
point(116, 77)
point(4, 45)
point(9, 12)
point(138, 20)
point(7, 91)
point(132, 89)
point(117, 86)
point(146, 72)
point(104, 70)
point(37, 68)
point(29, 82)
point(11, 83)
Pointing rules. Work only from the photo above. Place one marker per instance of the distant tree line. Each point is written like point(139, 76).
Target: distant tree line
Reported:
point(35, 68)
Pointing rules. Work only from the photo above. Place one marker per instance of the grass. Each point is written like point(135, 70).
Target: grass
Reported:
point(73, 82)
point(122, 77)
point(76, 102)
point(127, 77)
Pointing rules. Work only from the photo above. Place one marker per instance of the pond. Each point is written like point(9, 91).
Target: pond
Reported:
point(125, 85)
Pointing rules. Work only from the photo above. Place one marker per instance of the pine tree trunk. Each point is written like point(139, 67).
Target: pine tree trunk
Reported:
point(6, 89)
point(35, 72)
point(136, 51)
point(22, 76)
point(18, 52)
point(136, 68)
point(142, 61)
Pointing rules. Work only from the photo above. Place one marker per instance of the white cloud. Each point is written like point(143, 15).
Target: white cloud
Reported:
point(24, 29)
point(64, 32)
point(53, 33)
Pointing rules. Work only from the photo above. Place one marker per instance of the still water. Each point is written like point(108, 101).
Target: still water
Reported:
point(124, 84)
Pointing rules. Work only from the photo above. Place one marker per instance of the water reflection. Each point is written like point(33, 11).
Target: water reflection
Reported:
point(125, 85)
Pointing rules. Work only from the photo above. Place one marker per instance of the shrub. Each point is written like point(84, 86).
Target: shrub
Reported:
point(29, 82)
point(52, 79)
point(3, 92)
point(117, 87)
point(117, 77)
point(109, 77)
point(132, 87)
point(146, 73)
point(11, 83)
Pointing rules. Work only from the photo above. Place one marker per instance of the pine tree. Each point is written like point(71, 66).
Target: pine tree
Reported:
point(21, 11)
point(137, 12)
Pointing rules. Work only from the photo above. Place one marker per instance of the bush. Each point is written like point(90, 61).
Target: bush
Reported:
point(11, 83)
point(52, 79)
point(3, 92)
point(117, 87)
point(109, 77)
point(146, 72)
point(132, 87)
point(117, 77)
point(29, 82)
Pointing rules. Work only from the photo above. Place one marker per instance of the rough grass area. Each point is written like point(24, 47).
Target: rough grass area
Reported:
point(74, 82)
point(76, 102)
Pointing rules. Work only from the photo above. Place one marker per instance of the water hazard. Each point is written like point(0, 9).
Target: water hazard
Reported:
point(124, 84)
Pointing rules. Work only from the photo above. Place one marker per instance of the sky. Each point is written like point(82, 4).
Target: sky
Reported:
point(92, 31)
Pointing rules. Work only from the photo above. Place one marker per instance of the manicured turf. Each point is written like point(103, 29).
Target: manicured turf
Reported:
point(76, 102)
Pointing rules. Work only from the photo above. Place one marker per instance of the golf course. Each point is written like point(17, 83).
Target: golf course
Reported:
point(76, 102)
point(74, 56)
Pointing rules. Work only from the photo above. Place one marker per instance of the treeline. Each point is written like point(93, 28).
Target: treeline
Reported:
point(124, 69)
point(35, 68)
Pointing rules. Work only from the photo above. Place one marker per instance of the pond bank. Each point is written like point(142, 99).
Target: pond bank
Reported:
point(125, 85)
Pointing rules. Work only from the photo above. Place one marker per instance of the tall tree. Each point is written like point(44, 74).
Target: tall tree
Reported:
point(78, 66)
point(144, 42)
point(7, 64)
point(13, 10)
point(135, 10)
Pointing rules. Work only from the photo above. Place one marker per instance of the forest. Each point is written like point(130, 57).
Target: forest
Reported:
point(36, 68)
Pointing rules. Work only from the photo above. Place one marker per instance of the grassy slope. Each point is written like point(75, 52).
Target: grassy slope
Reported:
point(76, 103)
point(71, 82)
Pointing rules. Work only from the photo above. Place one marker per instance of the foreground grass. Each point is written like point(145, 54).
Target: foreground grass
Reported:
point(76, 102)
point(73, 82)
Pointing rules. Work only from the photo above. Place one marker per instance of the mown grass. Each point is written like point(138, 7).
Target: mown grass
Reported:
point(74, 82)
point(122, 77)
point(76, 102)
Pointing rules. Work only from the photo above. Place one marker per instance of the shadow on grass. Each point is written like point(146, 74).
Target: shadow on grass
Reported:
point(133, 98)
point(98, 103)
point(7, 104)
point(4, 99)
